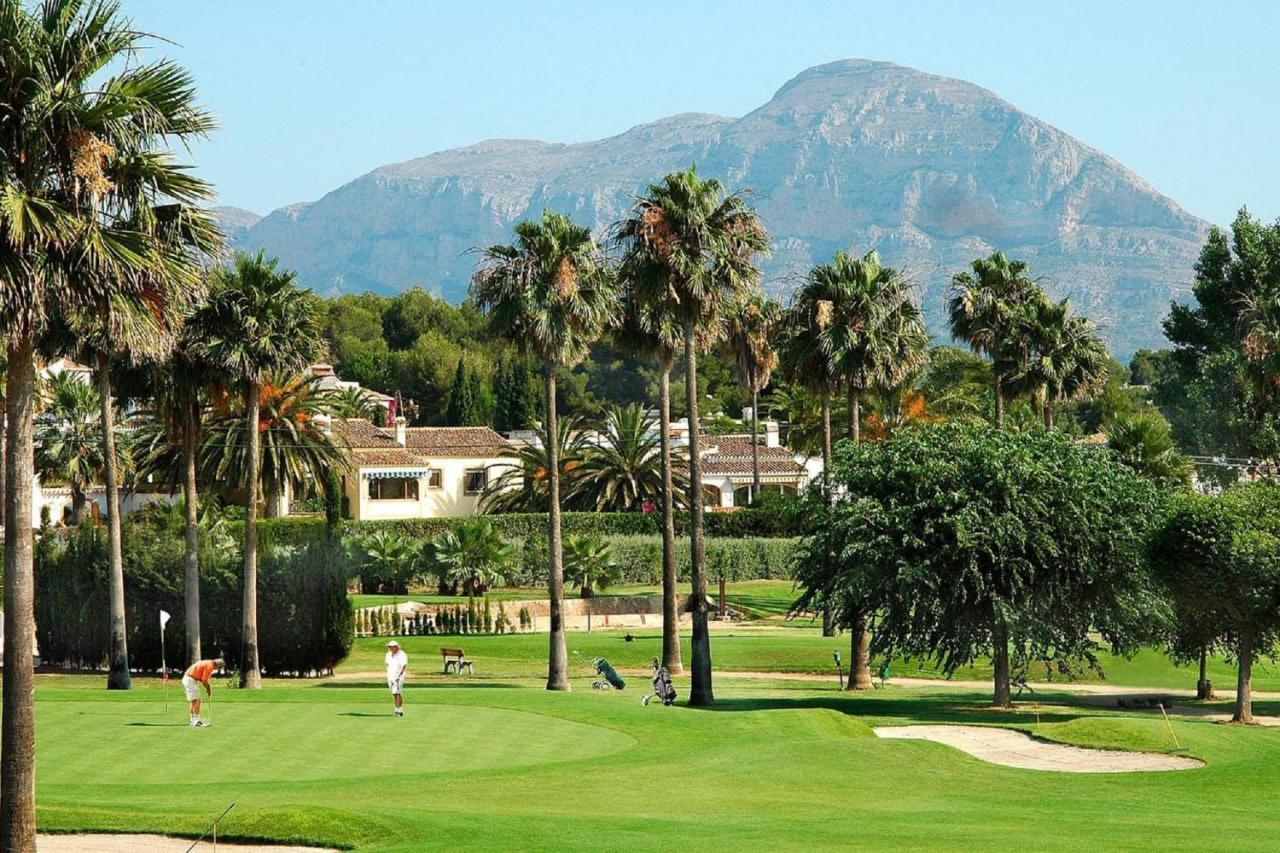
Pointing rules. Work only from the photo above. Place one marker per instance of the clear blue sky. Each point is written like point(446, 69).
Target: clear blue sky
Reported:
point(314, 93)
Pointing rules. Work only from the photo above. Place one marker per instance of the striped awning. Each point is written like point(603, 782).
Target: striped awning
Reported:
point(413, 474)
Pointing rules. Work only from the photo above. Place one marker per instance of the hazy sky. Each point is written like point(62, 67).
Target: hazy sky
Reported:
point(313, 94)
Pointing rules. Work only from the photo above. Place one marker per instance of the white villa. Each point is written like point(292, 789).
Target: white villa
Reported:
point(417, 472)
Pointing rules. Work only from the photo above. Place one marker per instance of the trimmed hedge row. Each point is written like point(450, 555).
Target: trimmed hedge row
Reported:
point(305, 620)
point(640, 558)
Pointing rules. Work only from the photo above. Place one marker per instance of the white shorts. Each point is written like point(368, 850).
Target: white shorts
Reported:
point(191, 687)
point(395, 685)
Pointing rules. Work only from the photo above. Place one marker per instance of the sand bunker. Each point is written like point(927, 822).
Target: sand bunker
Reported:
point(111, 843)
point(1018, 749)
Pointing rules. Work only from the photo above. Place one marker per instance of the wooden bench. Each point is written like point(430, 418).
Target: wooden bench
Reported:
point(456, 660)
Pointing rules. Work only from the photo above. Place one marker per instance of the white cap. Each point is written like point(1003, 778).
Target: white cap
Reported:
point(393, 643)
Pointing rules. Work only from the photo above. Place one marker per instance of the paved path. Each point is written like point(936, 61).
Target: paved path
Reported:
point(1018, 749)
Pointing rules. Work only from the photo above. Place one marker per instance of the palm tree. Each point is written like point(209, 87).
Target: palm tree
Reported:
point(522, 485)
point(355, 403)
point(749, 331)
point(653, 332)
point(1067, 360)
point(689, 248)
point(387, 561)
point(79, 107)
point(552, 294)
point(621, 469)
point(589, 564)
point(296, 450)
point(257, 324)
point(70, 438)
point(471, 556)
point(1142, 441)
point(985, 310)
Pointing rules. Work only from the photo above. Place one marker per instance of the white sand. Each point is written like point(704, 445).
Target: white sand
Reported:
point(1018, 749)
point(111, 843)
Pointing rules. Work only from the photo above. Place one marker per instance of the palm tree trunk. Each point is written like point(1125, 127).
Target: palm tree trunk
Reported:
point(700, 688)
point(1204, 687)
point(18, 722)
point(77, 505)
point(191, 552)
point(670, 594)
point(755, 442)
point(1048, 414)
point(558, 655)
point(1244, 681)
point(828, 627)
point(999, 404)
point(855, 414)
point(1002, 695)
point(118, 669)
point(250, 671)
point(3, 456)
point(271, 508)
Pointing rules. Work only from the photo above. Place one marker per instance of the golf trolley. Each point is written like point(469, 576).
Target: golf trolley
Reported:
point(609, 678)
point(663, 689)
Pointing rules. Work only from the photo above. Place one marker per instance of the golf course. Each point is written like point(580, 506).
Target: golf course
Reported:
point(782, 761)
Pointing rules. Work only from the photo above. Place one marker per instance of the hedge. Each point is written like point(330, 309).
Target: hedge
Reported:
point(305, 621)
point(640, 559)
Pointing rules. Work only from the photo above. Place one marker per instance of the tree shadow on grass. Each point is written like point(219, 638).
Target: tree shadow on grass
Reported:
point(934, 709)
point(160, 725)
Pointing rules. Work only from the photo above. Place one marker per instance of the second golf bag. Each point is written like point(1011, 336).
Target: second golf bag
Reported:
point(663, 689)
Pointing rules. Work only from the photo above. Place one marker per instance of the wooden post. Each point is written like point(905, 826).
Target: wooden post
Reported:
point(722, 605)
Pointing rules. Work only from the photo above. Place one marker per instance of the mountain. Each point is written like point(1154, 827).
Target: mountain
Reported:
point(929, 170)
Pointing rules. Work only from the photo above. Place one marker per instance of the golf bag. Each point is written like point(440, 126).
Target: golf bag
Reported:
point(609, 678)
point(663, 689)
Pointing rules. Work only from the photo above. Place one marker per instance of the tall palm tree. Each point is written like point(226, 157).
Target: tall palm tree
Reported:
point(1068, 360)
point(79, 105)
point(750, 327)
point(621, 469)
point(652, 331)
point(296, 451)
point(257, 324)
point(986, 308)
point(874, 338)
point(552, 294)
point(691, 248)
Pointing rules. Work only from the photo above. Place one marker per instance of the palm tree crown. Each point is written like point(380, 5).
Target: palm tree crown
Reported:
point(621, 470)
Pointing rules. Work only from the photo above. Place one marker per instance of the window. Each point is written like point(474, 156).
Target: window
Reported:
point(474, 481)
point(434, 479)
point(393, 489)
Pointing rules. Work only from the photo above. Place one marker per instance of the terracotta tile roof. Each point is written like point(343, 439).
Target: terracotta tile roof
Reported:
point(457, 441)
point(731, 454)
point(359, 432)
point(390, 456)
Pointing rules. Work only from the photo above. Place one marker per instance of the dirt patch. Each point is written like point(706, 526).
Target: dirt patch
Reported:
point(1017, 749)
point(113, 843)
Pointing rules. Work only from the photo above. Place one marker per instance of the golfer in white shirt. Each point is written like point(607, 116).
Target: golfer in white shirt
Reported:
point(397, 666)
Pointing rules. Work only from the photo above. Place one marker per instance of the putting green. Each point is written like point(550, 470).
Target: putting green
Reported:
point(135, 743)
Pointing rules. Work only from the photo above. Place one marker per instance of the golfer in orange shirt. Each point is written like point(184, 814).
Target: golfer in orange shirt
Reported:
point(197, 675)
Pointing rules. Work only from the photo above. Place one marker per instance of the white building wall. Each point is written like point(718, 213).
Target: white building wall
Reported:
point(447, 501)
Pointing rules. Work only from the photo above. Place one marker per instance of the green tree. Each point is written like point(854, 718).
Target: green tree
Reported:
point(551, 294)
point(1066, 359)
point(1143, 443)
point(69, 437)
point(522, 484)
point(257, 324)
point(386, 561)
point(355, 403)
point(689, 249)
point(79, 109)
point(590, 564)
point(649, 331)
point(1220, 560)
point(750, 329)
point(986, 309)
point(465, 407)
point(971, 541)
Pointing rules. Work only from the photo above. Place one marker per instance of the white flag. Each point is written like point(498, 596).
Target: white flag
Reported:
point(164, 619)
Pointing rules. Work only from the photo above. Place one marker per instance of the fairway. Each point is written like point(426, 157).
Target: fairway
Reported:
point(495, 761)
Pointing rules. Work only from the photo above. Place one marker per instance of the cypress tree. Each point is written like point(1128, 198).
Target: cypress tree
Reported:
point(478, 414)
point(501, 395)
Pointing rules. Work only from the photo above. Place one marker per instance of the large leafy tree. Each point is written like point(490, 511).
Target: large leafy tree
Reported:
point(1142, 441)
point(81, 107)
point(971, 542)
point(552, 295)
point(1220, 560)
point(257, 324)
point(651, 330)
point(689, 247)
point(987, 309)
point(751, 328)
point(621, 468)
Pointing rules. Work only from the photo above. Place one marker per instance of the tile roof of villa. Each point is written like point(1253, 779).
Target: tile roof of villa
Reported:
point(731, 454)
point(370, 444)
